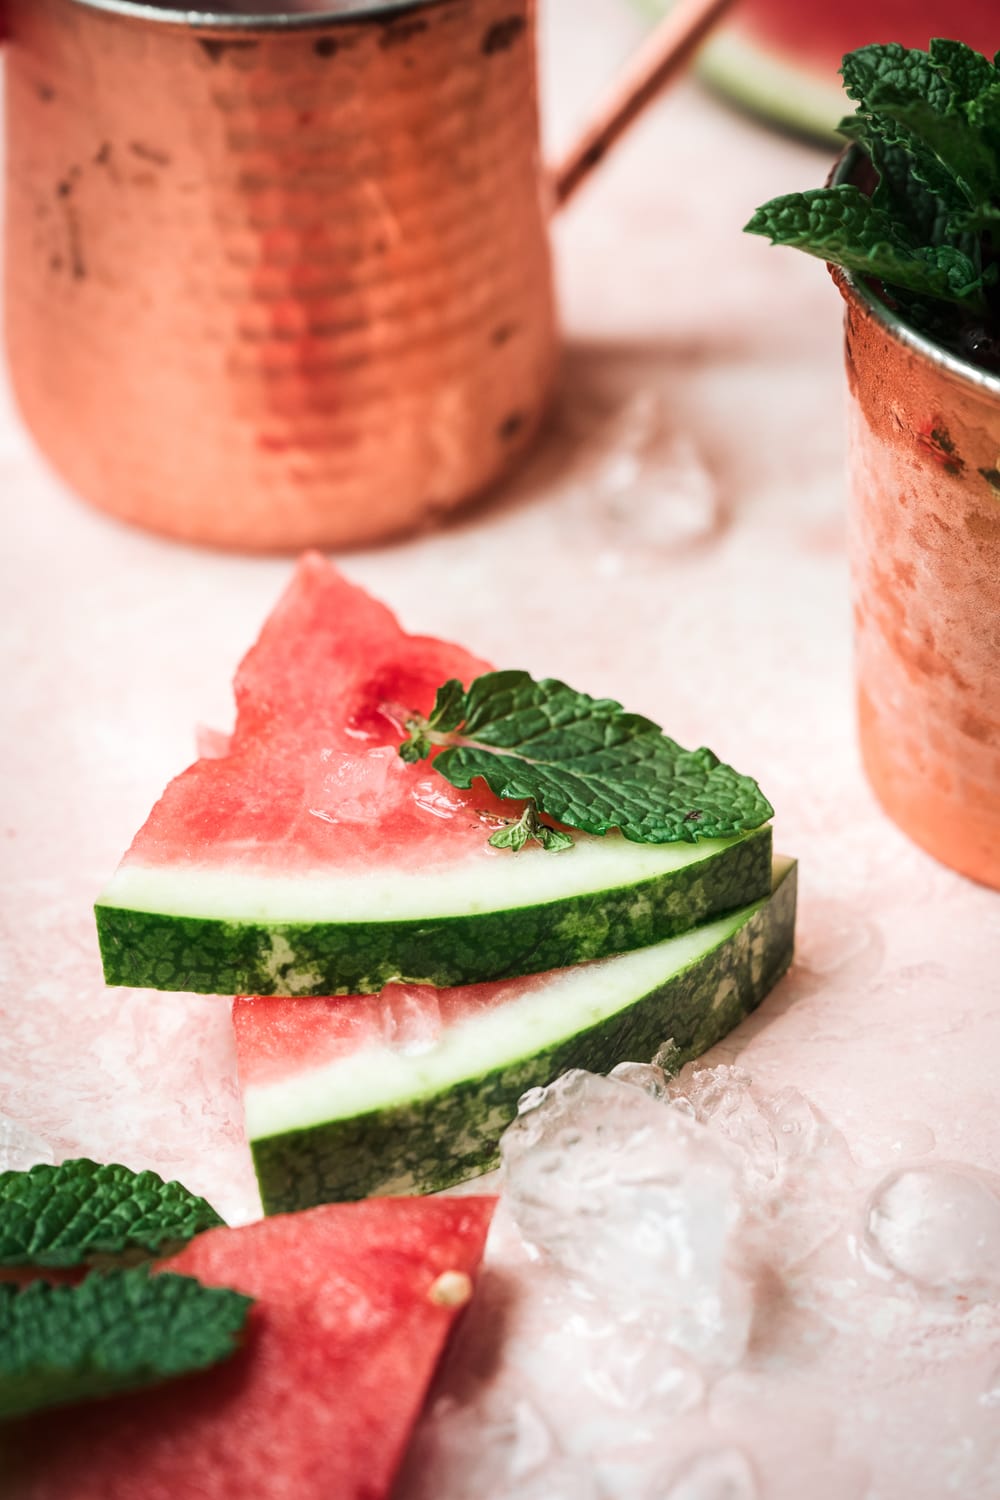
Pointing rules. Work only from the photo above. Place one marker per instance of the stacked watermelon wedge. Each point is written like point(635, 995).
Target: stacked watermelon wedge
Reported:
point(403, 980)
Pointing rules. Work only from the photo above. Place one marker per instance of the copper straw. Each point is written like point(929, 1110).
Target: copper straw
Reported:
point(665, 54)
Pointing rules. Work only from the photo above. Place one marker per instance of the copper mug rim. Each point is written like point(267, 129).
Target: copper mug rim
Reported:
point(664, 56)
point(268, 18)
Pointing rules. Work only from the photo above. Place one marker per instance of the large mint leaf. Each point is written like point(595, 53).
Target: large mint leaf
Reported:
point(842, 225)
point(951, 135)
point(113, 1332)
point(918, 194)
point(891, 65)
point(941, 97)
point(967, 73)
point(584, 761)
point(78, 1211)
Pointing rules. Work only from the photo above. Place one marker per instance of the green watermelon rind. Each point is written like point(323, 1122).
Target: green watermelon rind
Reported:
point(423, 1145)
point(229, 956)
point(777, 89)
point(760, 79)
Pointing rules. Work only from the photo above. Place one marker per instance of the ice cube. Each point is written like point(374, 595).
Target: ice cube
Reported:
point(725, 1475)
point(636, 1203)
point(411, 1017)
point(785, 1150)
point(938, 1227)
point(353, 788)
point(21, 1148)
point(653, 491)
point(646, 1076)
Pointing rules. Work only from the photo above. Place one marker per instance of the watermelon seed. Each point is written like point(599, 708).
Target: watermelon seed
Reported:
point(452, 1289)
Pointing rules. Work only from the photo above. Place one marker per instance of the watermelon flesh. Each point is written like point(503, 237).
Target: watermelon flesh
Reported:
point(313, 756)
point(276, 1039)
point(319, 1403)
point(819, 35)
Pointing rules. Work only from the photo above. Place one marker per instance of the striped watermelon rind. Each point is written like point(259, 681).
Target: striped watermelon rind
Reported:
point(252, 943)
point(692, 990)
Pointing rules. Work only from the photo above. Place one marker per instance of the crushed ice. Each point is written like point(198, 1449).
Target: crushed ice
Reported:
point(353, 788)
point(644, 488)
point(680, 1241)
point(639, 1204)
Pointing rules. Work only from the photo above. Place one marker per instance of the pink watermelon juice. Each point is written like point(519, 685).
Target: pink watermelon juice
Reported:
point(410, 1090)
point(351, 1317)
point(303, 856)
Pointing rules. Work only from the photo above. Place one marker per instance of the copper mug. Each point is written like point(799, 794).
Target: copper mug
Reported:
point(282, 280)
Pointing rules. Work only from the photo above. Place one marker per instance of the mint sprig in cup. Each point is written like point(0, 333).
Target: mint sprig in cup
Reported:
point(910, 226)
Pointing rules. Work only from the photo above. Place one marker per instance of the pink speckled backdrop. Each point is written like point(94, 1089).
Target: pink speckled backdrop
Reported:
point(677, 541)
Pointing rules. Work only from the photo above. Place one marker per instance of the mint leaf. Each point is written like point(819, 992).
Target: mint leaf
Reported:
point(930, 125)
point(842, 225)
point(113, 1332)
point(73, 1213)
point(527, 828)
point(968, 73)
point(920, 196)
point(449, 706)
point(585, 762)
point(937, 96)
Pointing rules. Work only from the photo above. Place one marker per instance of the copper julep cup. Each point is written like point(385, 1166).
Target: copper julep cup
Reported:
point(283, 280)
point(924, 543)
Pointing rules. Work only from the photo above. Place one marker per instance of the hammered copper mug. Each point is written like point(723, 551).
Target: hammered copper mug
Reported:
point(280, 280)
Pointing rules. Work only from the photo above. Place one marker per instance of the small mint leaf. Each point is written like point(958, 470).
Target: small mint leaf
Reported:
point(73, 1213)
point(418, 746)
point(511, 836)
point(529, 826)
point(587, 763)
point(114, 1332)
point(554, 840)
point(448, 707)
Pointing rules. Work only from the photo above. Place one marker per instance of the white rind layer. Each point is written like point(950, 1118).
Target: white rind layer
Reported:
point(499, 882)
point(560, 1005)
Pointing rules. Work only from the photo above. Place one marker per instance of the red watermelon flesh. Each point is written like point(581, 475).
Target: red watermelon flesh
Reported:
point(277, 1038)
point(311, 779)
point(821, 34)
point(319, 1403)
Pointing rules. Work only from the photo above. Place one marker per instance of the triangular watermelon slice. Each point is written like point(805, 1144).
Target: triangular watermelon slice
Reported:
point(409, 1091)
point(308, 859)
point(354, 1305)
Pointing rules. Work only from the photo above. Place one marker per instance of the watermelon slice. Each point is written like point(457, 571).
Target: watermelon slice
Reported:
point(355, 1303)
point(410, 1090)
point(305, 857)
point(781, 58)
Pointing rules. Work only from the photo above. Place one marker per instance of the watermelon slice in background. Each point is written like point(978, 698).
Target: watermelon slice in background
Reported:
point(780, 58)
point(354, 1306)
point(409, 1091)
point(304, 857)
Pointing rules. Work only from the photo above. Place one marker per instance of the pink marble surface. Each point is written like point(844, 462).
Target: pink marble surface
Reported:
point(676, 542)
